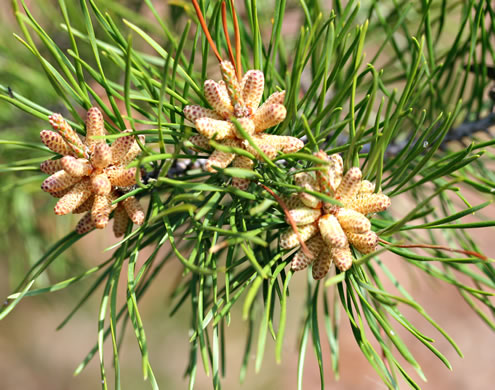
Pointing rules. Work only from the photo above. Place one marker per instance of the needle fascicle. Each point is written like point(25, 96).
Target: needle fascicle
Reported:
point(227, 38)
point(237, 41)
point(205, 30)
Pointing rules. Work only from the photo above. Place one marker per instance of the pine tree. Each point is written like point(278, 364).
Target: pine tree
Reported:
point(375, 147)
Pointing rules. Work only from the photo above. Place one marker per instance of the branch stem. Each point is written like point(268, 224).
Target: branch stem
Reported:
point(439, 247)
point(291, 221)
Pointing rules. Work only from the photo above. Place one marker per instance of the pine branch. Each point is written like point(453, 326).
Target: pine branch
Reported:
point(392, 117)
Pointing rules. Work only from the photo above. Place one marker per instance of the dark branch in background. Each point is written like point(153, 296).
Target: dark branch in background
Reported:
point(457, 134)
point(466, 129)
point(490, 70)
point(180, 167)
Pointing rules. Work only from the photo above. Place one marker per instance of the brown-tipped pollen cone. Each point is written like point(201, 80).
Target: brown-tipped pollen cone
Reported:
point(231, 98)
point(329, 230)
point(90, 174)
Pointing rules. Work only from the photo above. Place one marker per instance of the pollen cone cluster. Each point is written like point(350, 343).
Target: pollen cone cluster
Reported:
point(231, 98)
point(91, 174)
point(326, 229)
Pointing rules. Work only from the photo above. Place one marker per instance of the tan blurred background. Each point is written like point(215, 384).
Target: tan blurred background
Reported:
point(34, 356)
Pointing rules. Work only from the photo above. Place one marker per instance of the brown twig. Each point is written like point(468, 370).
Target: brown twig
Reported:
point(215, 248)
point(439, 247)
point(291, 221)
point(237, 42)
point(205, 30)
point(226, 32)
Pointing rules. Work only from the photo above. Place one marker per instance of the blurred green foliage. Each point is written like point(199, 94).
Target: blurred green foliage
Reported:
point(374, 74)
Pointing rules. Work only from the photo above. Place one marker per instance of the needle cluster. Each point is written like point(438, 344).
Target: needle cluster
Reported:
point(329, 230)
point(230, 98)
point(91, 174)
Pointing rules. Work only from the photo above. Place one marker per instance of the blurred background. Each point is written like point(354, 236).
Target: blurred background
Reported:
point(34, 355)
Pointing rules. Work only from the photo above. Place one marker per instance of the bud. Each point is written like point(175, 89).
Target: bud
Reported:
point(86, 206)
point(366, 187)
point(342, 257)
point(101, 211)
point(134, 210)
point(287, 143)
point(232, 83)
point(100, 184)
point(371, 203)
point(271, 144)
point(193, 112)
point(364, 243)
point(245, 163)
point(70, 136)
point(276, 98)
point(121, 177)
point(74, 198)
point(121, 146)
point(95, 126)
point(218, 98)
point(58, 181)
point(55, 142)
point(293, 201)
point(265, 146)
point(322, 264)
point(248, 126)
point(252, 85)
point(332, 232)
point(301, 260)
point(349, 186)
point(76, 167)
point(308, 182)
point(288, 239)
point(51, 166)
point(201, 142)
point(102, 156)
point(221, 159)
point(304, 215)
point(85, 224)
point(329, 175)
point(268, 115)
point(59, 194)
point(120, 221)
point(214, 128)
point(134, 150)
point(353, 221)
point(337, 166)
